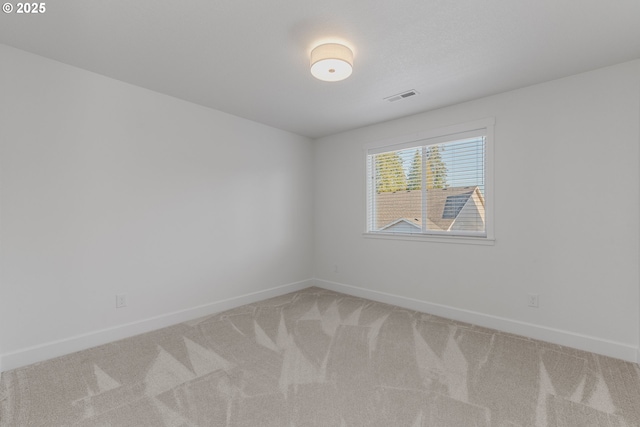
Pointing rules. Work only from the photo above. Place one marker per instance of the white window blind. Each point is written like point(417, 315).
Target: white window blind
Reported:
point(433, 186)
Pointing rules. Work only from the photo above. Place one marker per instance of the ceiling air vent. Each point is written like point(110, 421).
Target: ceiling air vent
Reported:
point(402, 95)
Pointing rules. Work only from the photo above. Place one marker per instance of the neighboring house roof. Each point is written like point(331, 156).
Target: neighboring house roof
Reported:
point(443, 207)
point(403, 225)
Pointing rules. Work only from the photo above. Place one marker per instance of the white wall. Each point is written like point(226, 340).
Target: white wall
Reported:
point(108, 188)
point(566, 217)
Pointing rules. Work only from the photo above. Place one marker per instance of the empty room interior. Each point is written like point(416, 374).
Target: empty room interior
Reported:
point(297, 213)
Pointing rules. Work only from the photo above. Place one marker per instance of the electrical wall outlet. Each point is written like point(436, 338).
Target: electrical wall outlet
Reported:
point(121, 300)
point(532, 300)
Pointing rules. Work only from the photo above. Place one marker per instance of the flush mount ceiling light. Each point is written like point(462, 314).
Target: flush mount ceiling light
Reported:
point(331, 62)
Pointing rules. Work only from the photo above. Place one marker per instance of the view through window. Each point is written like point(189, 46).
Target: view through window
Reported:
point(429, 188)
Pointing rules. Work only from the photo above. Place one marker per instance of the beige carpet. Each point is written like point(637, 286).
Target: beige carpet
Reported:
point(318, 358)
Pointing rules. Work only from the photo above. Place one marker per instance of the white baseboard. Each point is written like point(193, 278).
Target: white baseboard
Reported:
point(614, 349)
point(53, 349)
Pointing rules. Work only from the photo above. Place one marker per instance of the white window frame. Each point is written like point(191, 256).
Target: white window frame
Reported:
point(431, 137)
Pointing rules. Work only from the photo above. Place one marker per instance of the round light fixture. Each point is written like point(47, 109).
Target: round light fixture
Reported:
point(331, 62)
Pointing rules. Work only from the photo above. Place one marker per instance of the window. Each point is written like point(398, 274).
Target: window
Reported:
point(433, 184)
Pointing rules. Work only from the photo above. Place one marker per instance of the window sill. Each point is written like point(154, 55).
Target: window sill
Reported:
point(463, 240)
